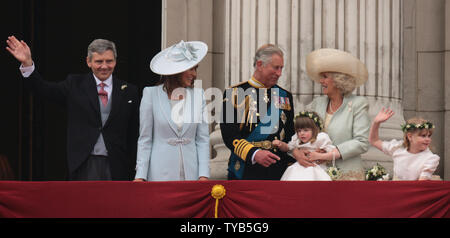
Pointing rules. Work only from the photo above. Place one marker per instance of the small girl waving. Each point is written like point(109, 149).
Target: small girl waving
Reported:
point(307, 137)
point(412, 157)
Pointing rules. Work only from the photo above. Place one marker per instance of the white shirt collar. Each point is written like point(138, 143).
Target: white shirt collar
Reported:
point(108, 81)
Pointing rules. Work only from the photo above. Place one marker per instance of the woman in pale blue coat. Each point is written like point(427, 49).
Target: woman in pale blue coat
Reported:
point(173, 140)
point(345, 115)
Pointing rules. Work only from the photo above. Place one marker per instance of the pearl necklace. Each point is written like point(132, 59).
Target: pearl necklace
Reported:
point(331, 108)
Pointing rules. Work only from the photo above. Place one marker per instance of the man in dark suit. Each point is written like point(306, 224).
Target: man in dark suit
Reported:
point(102, 112)
point(255, 113)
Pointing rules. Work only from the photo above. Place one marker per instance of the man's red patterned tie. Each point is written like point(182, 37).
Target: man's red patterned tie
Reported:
point(103, 94)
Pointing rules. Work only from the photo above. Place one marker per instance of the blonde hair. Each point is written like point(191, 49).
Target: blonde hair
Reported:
point(415, 121)
point(344, 82)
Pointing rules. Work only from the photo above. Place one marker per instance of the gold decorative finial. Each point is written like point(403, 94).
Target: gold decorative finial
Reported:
point(218, 192)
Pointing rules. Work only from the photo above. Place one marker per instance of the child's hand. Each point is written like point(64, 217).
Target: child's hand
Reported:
point(317, 157)
point(383, 115)
point(276, 143)
point(301, 157)
point(320, 151)
point(280, 145)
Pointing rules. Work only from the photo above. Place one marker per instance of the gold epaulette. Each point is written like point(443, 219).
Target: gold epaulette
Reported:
point(244, 104)
point(237, 85)
point(234, 100)
point(241, 148)
point(234, 87)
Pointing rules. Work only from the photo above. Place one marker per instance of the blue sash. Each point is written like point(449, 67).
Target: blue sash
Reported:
point(256, 135)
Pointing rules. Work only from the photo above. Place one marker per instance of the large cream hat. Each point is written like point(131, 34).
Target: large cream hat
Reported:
point(332, 60)
point(179, 57)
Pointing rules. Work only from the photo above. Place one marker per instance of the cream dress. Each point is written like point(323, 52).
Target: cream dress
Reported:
point(297, 172)
point(177, 114)
point(408, 166)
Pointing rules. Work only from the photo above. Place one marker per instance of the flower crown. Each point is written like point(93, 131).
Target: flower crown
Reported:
point(312, 116)
point(426, 125)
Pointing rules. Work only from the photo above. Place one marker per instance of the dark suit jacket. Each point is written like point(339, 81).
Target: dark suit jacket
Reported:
point(78, 93)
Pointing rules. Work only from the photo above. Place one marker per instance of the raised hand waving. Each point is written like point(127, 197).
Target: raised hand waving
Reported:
point(20, 50)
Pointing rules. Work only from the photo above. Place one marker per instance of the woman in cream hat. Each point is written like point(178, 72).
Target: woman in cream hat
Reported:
point(174, 135)
point(346, 115)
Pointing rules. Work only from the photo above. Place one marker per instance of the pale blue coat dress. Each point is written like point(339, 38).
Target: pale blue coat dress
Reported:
point(165, 151)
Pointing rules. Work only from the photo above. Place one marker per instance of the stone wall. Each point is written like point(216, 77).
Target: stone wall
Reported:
point(425, 86)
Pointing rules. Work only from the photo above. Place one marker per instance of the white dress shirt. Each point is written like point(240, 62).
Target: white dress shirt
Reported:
point(108, 85)
point(26, 71)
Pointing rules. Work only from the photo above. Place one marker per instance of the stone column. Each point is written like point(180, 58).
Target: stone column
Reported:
point(190, 20)
point(369, 29)
point(446, 139)
point(425, 57)
point(219, 164)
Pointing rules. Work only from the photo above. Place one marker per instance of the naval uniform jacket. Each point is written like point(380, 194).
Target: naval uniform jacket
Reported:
point(245, 107)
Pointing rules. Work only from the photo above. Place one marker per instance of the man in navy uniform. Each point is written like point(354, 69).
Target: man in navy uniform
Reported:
point(255, 113)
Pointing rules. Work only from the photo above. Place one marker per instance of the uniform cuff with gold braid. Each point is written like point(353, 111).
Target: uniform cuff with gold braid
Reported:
point(241, 148)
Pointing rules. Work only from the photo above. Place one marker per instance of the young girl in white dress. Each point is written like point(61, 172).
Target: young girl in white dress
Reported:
point(412, 157)
point(307, 137)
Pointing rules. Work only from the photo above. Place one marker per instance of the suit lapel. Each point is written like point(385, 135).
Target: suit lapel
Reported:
point(339, 110)
point(165, 107)
point(322, 108)
point(343, 105)
point(116, 98)
point(90, 88)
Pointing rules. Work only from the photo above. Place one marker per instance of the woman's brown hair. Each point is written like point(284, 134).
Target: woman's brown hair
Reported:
point(304, 120)
point(170, 82)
